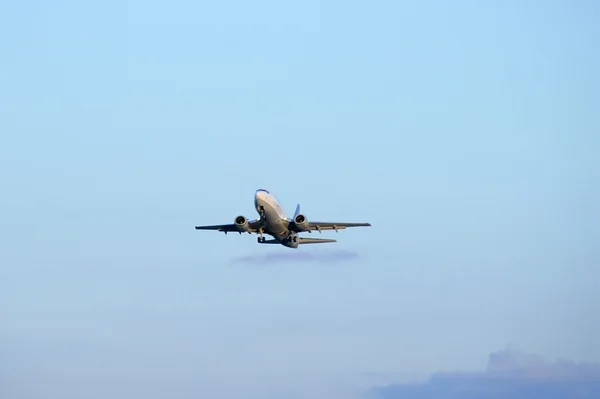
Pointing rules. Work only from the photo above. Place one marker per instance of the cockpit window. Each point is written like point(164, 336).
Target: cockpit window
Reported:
point(263, 190)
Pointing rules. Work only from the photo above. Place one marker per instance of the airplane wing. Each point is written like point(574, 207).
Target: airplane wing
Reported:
point(252, 227)
point(334, 225)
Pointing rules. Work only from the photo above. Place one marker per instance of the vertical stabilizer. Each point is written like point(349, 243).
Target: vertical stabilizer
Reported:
point(297, 211)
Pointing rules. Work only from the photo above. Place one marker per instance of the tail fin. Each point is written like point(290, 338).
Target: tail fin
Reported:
point(297, 211)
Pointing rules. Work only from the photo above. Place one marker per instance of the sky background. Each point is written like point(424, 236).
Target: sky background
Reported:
point(466, 132)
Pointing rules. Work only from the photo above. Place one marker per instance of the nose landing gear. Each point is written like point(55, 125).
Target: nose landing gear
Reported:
point(260, 237)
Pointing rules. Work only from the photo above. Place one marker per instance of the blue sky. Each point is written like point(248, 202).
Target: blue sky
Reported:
point(465, 132)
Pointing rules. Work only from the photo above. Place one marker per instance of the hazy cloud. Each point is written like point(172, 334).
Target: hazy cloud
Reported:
point(510, 374)
point(322, 256)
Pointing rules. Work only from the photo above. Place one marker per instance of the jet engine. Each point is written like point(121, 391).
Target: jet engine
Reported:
point(301, 223)
point(242, 224)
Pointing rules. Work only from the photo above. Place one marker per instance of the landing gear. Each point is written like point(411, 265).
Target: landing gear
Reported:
point(260, 239)
point(292, 238)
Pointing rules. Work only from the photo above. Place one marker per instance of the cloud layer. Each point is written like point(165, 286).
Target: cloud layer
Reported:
point(331, 256)
point(510, 374)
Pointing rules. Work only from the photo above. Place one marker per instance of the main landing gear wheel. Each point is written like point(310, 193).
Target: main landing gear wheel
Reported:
point(261, 239)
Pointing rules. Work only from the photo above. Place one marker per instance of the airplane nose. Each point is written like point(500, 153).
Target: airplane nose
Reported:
point(260, 194)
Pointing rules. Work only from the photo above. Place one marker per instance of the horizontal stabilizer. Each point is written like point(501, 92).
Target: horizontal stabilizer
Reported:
point(306, 240)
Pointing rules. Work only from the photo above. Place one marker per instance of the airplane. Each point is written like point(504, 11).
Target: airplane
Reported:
point(273, 221)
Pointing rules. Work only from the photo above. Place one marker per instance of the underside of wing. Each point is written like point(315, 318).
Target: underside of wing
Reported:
point(246, 227)
point(219, 227)
point(334, 226)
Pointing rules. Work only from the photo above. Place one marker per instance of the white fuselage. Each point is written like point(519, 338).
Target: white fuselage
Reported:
point(275, 221)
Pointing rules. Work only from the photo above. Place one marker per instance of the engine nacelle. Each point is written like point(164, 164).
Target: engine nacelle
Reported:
point(242, 223)
point(301, 223)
